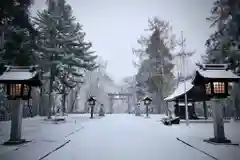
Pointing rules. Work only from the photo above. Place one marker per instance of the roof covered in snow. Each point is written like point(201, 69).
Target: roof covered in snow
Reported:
point(210, 72)
point(180, 90)
point(218, 74)
point(16, 74)
point(193, 92)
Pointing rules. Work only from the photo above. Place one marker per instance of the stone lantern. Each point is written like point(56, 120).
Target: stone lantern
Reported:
point(18, 81)
point(215, 79)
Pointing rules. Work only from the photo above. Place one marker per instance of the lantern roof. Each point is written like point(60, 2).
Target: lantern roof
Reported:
point(20, 74)
point(194, 93)
point(212, 72)
point(91, 99)
point(147, 98)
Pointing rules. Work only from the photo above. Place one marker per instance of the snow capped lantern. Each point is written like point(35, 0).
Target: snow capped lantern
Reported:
point(215, 79)
point(147, 101)
point(91, 101)
point(19, 80)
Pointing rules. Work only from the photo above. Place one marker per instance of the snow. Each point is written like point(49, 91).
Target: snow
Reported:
point(117, 137)
point(180, 90)
point(220, 74)
point(45, 136)
point(128, 137)
point(196, 133)
point(17, 75)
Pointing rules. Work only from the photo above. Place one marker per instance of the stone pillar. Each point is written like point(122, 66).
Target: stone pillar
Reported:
point(219, 134)
point(16, 123)
point(137, 110)
point(205, 110)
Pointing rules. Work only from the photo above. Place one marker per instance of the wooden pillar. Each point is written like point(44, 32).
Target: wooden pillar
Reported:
point(166, 109)
point(129, 105)
point(193, 110)
point(111, 105)
point(205, 110)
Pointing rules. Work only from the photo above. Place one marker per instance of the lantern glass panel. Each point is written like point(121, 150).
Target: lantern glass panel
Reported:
point(25, 90)
point(90, 102)
point(208, 88)
point(147, 102)
point(15, 89)
point(230, 87)
point(219, 87)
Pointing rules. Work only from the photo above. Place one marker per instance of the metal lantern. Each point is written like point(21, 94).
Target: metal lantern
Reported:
point(91, 101)
point(147, 101)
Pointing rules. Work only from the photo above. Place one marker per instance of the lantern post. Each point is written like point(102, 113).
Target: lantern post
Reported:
point(18, 81)
point(91, 103)
point(215, 79)
point(147, 101)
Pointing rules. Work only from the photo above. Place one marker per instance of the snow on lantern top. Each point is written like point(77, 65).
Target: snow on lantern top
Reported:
point(20, 75)
point(214, 78)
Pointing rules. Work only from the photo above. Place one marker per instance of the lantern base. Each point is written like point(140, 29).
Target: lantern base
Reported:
point(15, 142)
point(218, 141)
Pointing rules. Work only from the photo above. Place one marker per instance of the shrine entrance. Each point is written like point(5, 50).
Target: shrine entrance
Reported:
point(120, 96)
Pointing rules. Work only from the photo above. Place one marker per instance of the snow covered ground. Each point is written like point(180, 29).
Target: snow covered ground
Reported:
point(44, 136)
point(196, 133)
point(120, 136)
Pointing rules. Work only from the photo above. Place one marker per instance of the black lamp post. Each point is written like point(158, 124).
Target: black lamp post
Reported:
point(18, 81)
point(91, 103)
point(147, 101)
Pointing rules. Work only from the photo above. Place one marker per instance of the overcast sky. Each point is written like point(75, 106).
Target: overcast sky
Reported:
point(113, 26)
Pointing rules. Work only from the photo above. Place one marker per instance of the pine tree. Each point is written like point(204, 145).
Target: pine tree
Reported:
point(16, 13)
point(62, 44)
point(16, 33)
point(223, 46)
point(157, 61)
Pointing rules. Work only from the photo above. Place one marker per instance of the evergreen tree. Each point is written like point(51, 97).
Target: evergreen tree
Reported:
point(223, 46)
point(17, 33)
point(16, 13)
point(62, 45)
point(157, 61)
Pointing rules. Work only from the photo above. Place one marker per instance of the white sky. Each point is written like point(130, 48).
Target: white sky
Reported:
point(113, 26)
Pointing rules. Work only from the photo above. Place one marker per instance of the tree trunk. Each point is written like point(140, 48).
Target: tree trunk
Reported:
point(74, 102)
point(51, 88)
point(63, 101)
